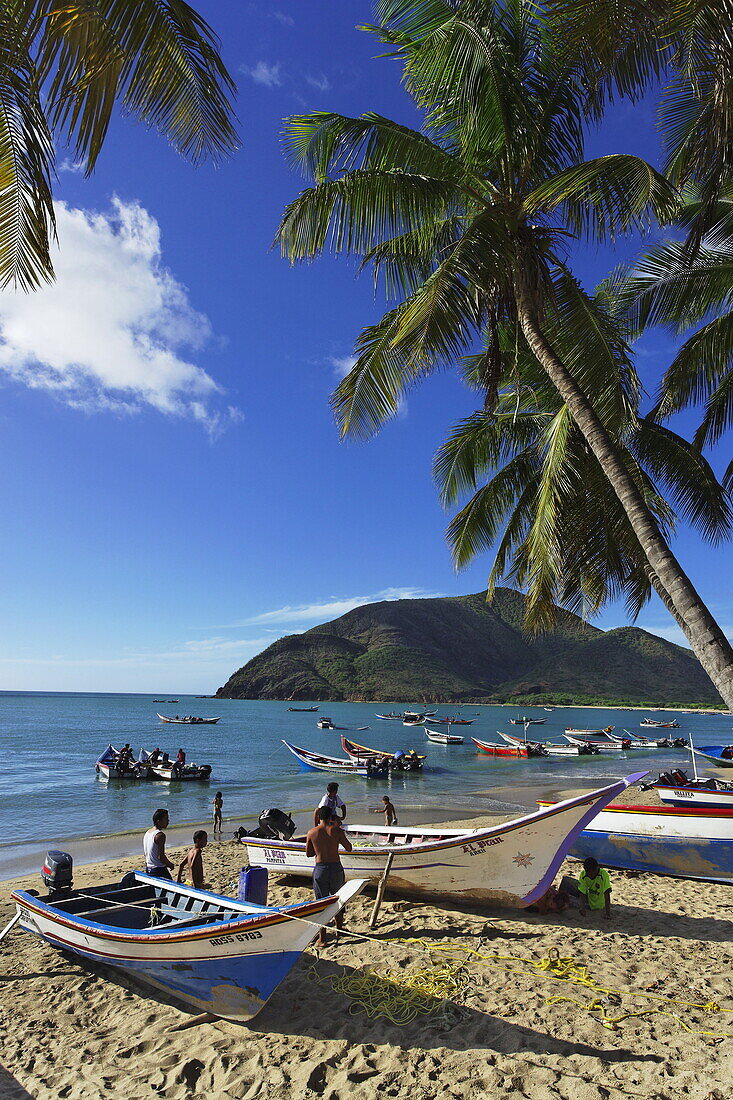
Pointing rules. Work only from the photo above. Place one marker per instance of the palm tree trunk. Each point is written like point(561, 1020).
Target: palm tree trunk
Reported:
point(706, 639)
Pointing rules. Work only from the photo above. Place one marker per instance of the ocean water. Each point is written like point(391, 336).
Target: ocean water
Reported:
point(49, 789)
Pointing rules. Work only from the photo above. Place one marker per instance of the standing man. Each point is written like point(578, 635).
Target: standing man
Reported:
point(156, 861)
point(322, 841)
point(331, 802)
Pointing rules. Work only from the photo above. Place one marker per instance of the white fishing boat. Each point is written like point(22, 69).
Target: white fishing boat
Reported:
point(189, 720)
point(511, 864)
point(439, 738)
point(171, 771)
point(553, 749)
point(113, 765)
point(317, 761)
point(209, 952)
point(602, 746)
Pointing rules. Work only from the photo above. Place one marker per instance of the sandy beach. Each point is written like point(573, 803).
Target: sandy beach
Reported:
point(69, 1030)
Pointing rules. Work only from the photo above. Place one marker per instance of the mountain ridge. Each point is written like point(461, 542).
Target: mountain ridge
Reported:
point(460, 649)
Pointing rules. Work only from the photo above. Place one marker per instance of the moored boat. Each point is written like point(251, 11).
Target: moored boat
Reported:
point(527, 721)
point(721, 755)
point(403, 761)
point(112, 765)
point(601, 744)
point(317, 761)
point(590, 733)
point(210, 952)
point(189, 720)
point(389, 717)
point(443, 738)
point(302, 710)
point(660, 725)
point(510, 864)
point(553, 749)
point(522, 749)
point(171, 771)
point(453, 720)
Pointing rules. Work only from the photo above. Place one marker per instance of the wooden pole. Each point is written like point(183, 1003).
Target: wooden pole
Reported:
point(380, 890)
point(8, 926)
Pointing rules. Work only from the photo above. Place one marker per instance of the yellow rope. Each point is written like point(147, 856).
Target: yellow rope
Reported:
point(433, 991)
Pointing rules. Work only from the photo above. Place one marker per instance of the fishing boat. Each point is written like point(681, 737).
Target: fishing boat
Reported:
point(720, 755)
point(553, 749)
point(210, 952)
point(510, 864)
point(454, 721)
point(317, 761)
point(666, 840)
point(414, 721)
point(302, 710)
point(602, 746)
point(650, 742)
point(389, 717)
point(527, 721)
point(660, 725)
point(676, 788)
point(590, 733)
point(110, 766)
point(443, 738)
point(325, 724)
point(405, 761)
point(523, 749)
point(171, 771)
point(189, 720)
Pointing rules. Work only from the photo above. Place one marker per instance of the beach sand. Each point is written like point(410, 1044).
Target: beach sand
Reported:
point(67, 1029)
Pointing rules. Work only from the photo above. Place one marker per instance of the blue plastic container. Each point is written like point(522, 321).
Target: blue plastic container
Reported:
point(253, 885)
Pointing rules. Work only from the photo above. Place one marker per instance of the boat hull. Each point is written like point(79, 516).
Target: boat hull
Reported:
point(711, 753)
point(228, 969)
point(679, 857)
point(511, 864)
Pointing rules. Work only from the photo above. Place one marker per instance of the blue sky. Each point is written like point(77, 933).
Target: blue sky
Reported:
point(174, 492)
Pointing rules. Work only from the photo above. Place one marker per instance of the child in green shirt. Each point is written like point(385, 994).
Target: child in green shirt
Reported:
point(594, 886)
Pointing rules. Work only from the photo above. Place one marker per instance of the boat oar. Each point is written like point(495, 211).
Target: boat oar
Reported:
point(9, 925)
point(380, 890)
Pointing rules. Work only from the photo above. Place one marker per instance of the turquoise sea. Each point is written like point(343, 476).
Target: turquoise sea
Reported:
point(49, 790)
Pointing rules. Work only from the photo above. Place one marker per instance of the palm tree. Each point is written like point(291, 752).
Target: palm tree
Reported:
point(690, 293)
point(63, 68)
point(625, 46)
point(538, 491)
point(467, 221)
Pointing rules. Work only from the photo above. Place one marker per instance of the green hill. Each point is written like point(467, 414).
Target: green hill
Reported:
point(460, 649)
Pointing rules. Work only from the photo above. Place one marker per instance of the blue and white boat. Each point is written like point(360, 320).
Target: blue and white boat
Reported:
point(209, 952)
point(716, 754)
point(666, 840)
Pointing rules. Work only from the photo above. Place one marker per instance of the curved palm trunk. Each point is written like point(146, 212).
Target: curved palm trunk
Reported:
point(706, 639)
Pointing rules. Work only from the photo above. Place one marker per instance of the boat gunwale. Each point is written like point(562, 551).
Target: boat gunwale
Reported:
point(672, 811)
point(253, 921)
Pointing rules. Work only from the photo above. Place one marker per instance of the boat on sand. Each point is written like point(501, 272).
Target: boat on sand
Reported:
point(511, 864)
point(210, 952)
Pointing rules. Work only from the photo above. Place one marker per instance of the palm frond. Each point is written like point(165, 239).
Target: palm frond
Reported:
point(26, 164)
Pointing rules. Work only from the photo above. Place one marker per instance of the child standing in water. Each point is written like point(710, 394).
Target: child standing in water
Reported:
point(217, 804)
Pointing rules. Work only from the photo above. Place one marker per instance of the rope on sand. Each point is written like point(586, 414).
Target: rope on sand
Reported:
point(434, 991)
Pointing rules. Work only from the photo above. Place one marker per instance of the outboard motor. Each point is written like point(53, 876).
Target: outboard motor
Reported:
point(57, 872)
point(274, 825)
point(278, 824)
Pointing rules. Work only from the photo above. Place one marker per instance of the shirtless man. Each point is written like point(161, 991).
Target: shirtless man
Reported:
point(323, 842)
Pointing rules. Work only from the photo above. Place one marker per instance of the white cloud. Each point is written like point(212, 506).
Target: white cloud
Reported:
point(320, 83)
point(108, 334)
point(285, 20)
point(332, 608)
point(74, 166)
point(262, 73)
